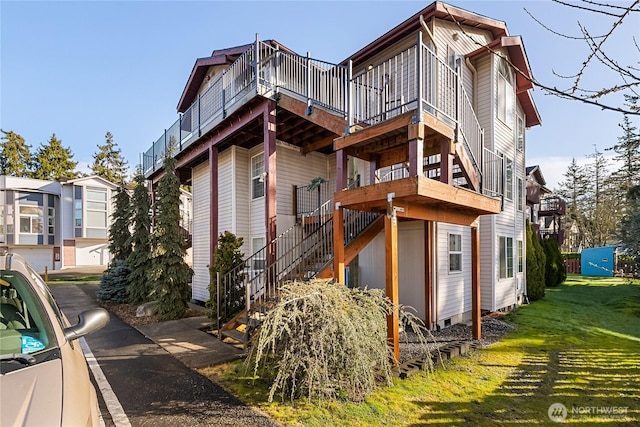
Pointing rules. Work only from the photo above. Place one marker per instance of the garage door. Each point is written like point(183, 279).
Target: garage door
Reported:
point(92, 253)
point(38, 258)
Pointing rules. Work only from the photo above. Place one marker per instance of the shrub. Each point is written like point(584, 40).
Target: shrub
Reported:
point(555, 269)
point(327, 341)
point(227, 258)
point(114, 283)
point(535, 266)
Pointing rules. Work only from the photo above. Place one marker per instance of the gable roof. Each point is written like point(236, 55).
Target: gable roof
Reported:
point(498, 30)
point(103, 181)
point(537, 174)
point(218, 57)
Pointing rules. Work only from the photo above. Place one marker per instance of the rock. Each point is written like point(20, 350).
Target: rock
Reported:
point(147, 309)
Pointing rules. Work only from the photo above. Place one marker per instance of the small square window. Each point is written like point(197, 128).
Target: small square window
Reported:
point(455, 253)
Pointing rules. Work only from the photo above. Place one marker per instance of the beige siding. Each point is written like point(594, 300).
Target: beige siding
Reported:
point(201, 231)
point(410, 265)
point(242, 196)
point(225, 191)
point(454, 288)
point(488, 252)
point(447, 34)
point(296, 169)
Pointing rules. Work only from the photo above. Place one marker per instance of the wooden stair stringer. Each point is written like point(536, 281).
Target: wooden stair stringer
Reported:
point(467, 168)
point(354, 248)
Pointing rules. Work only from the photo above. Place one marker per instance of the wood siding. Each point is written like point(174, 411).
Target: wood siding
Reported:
point(201, 230)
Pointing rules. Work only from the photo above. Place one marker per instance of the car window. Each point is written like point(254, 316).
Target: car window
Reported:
point(24, 324)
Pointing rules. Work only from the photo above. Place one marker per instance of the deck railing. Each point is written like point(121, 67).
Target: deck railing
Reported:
point(493, 167)
point(413, 77)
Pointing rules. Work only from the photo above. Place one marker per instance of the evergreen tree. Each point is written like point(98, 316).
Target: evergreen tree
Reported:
point(170, 275)
point(630, 226)
point(227, 258)
point(108, 162)
point(53, 161)
point(119, 233)
point(535, 266)
point(627, 153)
point(602, 209)
point(574, 190)
point(140, 287)
point(15, 155)
point(555, 270)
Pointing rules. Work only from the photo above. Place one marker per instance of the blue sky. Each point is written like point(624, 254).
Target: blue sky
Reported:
point(82, 68)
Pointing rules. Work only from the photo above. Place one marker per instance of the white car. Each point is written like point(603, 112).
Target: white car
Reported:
point(44, 380)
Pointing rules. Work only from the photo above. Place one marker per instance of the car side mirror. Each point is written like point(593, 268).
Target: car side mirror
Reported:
point(89, 321)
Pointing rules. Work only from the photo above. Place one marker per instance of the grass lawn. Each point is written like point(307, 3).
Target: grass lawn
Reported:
point(76, 280)
point(579, 346)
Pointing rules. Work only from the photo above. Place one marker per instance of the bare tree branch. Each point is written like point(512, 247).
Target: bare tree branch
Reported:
point(576, 92)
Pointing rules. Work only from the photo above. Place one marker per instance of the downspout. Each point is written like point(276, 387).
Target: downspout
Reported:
point(436, 282)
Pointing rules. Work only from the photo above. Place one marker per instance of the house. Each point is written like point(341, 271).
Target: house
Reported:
point(54, 224)
point(545, 210)
point(404, 162)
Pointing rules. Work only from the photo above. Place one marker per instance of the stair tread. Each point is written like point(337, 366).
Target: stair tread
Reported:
point(233, 334)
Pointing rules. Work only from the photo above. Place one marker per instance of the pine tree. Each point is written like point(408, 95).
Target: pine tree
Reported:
point(170, 275)
point(108, 162)
point(627, 153)
point(119, 233)
point(574, 190)
point(630, 226)
point(53, 161)
point(15, 155)
point(140, 287)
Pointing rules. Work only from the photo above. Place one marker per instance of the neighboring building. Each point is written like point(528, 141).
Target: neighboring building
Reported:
point(544, 209)
point(422, 134)
point(56, 224)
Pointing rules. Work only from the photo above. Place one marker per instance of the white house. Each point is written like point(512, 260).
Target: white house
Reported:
point(56, 224)
point(405, 162)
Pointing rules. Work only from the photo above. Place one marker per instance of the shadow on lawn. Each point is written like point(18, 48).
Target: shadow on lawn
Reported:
point(579, 379)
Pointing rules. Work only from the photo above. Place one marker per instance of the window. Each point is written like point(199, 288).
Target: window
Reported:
point(257, 176)
point(51, 220)
point(30, 219)
point(508, 191)
point(520, 194)
point(2, 239)
point(506, 257)
point(455, 252)
point(520, 134)
point(96, 208)
point(520, 259)
point(258, 243)
point(505, 104)
point(77, 210)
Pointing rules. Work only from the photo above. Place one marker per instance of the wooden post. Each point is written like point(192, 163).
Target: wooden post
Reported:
point(391, 275)
point(341, 170)
point(338, 245)
point(447, 150)
point(416, 149)
point(475, 283)
point(213, 202)
point(270, 170)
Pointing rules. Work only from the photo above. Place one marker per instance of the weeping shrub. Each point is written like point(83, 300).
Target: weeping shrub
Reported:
point(327, 341)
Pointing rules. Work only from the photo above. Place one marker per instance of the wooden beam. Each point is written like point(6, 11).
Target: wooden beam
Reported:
point(446, 162)
point(475, 284)
point(356, 245)
point(422, 189)
point(334, 123)
point(425, 212)
point(391, 278)
point(270, 168)
point(393, 156)
point(338, 245)
point(317, 145)
point(438, 126)
point(213, 202)
point(373, 131)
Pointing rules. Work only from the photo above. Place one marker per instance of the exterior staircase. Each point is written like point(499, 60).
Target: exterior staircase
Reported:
point(303, 252)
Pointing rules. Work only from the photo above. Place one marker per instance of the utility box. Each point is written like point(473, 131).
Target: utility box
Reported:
point(598, 261)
